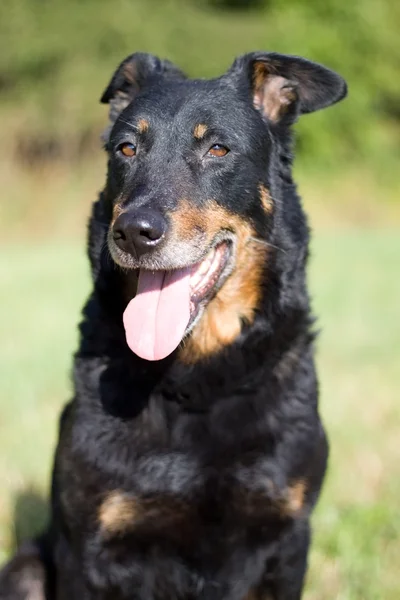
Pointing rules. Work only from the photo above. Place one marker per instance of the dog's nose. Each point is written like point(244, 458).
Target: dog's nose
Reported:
point(139, 232)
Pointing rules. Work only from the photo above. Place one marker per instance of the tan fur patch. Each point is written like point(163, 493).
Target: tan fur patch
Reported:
point(237, 300)
point(118, 512)
point(284, 503)
point(143, 125)
point(297, 497)
point(189, 220)
point(266, 199)
point(200, 131)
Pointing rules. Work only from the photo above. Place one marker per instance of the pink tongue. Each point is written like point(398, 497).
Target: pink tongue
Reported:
point(156, 319)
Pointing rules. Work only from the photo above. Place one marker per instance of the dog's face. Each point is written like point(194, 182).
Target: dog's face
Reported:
point(185, 171)
point(190, 167)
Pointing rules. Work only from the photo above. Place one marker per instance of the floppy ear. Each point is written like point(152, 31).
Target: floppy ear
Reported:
point(132, 74)
point(286, 86)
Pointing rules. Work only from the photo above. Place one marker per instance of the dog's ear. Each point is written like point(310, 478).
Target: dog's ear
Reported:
point(284, 86)
point(130, 77)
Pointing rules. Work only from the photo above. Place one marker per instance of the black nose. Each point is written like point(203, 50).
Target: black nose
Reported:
point(139, 232)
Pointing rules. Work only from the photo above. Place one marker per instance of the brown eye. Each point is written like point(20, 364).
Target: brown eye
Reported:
point(127, 149)
point(218, 151)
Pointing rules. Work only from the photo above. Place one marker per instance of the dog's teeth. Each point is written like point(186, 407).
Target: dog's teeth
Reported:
point(204, 271)
point(204, 267)
point(194, 280)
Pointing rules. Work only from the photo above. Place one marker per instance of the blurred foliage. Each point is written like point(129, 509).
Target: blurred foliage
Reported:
point(56, 56)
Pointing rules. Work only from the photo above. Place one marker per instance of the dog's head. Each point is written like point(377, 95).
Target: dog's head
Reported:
point(196, 170)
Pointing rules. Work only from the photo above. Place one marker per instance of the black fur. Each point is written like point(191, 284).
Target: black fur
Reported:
point(212, 450)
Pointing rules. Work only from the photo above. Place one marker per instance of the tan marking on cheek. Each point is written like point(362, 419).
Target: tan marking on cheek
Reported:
point(143, 125)
point(266, 199)
point(239, 297)
point(188, 221)
point(200, 131)
point(118, 512)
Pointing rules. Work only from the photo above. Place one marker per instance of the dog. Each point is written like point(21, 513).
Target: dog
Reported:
point(192, 453)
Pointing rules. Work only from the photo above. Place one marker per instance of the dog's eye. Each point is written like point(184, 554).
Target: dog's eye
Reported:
point(127, 149)
point(218, 150)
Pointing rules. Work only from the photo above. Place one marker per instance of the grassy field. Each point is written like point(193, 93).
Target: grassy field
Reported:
point(356, 285)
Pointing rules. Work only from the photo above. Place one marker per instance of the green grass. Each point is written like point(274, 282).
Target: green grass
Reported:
point(356, 288)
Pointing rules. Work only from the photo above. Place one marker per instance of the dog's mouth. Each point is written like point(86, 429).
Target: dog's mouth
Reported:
point(168, 304)
point(207, 275)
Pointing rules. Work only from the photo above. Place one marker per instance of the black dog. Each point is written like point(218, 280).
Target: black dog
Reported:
point(192, 453)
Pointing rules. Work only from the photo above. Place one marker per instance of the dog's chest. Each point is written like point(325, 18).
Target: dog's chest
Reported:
point(169, 478)
point(177, 496)
point(159, 494)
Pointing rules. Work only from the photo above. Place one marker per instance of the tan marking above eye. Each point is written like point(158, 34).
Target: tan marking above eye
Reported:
point(143, 125)
point(128, 149)
point(200, 131)
point(218, 150)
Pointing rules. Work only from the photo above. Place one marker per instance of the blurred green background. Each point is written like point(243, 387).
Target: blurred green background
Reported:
point(56, 57)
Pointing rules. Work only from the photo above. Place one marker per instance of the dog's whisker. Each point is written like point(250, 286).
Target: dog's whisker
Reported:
point(127, 122)
point(105, 249)
point(265, 243)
